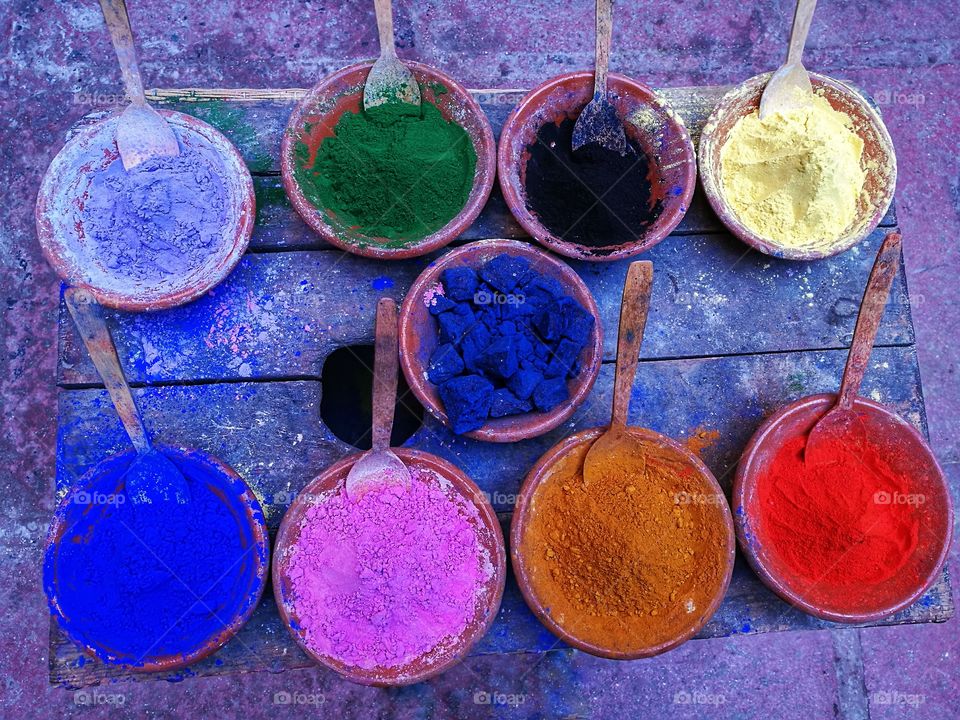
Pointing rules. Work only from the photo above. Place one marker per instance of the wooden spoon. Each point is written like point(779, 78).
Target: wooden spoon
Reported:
point(142, 132)
point(151, 477)
point(380, 467)
point(837, 424)
point(633, 319)
point(389, 81)
point(598, 122)
point(789, 87)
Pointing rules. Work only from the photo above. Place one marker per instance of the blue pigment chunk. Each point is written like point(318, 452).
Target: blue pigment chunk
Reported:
point(459, 283)
point(474, 345)
point(506, 403)
point(441, 304)
point(467, 401)
point(577, 322)
point(505, 272)
point(500, 358)
point(550, 393)
point(564, 359)
point(549, 324)
point(445, 363)
point(456, 323)
point(523, 382)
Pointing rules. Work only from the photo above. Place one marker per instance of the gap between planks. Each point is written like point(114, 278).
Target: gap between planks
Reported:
point(317, 378)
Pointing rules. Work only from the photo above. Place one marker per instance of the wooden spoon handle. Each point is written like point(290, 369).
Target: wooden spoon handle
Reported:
point(384, 10)
point(88, 315)
point(118, 22)
point(604, 35)
point(868, 320)
point(385, 364)
point(802, 18)
point(633, 320)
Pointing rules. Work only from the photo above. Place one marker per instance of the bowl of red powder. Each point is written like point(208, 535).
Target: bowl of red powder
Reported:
point(386, 183)
point(633, 563)
point(156, 236)
point(594, 204)
point(393, 587)
point(852, 540)
point(500, 341)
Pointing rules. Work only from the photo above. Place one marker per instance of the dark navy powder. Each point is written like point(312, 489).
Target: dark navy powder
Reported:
point(137, 582)
point(593, 197)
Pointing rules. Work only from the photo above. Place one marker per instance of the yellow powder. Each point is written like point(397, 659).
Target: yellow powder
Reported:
point(794, 178)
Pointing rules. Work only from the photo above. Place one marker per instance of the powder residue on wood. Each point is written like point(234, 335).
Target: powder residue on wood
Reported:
point(632, 559)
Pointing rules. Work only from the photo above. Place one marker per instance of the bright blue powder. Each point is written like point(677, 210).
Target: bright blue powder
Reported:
point(140, 581)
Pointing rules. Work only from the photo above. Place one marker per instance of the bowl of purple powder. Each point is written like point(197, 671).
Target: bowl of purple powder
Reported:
point(395, 586)
point(500, 341)
point(596, 204)
point(156, 236)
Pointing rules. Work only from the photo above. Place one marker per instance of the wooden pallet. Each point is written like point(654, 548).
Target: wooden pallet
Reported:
point(732, 336)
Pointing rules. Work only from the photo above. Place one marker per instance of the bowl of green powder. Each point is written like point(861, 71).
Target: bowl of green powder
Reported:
point(388, 182)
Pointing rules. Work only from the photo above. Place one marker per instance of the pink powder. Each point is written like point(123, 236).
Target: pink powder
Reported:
point(391, 577)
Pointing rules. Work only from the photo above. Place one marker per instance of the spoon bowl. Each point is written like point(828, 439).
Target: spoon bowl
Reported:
point(389, 80)
point(789, 87)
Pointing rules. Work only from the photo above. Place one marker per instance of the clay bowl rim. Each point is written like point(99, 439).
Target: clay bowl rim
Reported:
point(479, 193)
point(260, 539)
point(237, 177)
point(514, 427)
point(521, 515)
point(325, 483)
point(508, 167)
point(710, 146)
point(745, 482)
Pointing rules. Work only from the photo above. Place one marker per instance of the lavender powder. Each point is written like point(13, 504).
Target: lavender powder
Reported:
point(160, 219)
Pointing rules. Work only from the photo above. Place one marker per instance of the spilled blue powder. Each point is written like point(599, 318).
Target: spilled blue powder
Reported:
point(140, 581)
point(382, 283)
point(159, 219)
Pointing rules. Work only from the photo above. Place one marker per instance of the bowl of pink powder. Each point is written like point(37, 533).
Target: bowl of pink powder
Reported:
point(395, 586)
point(153, 237)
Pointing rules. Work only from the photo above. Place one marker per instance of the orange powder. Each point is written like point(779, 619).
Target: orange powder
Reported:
point(636, 558)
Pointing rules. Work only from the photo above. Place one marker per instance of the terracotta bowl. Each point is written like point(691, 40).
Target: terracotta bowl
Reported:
point(342, 92)
point(649, 122)
point(74, 256)
point(878, 157)
point(332, 482)
point(418, 339)
point(527, 507)
point(909, 454)
point(106, 478)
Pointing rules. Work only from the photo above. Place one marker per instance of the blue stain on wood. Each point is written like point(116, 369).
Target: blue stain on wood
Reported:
point(382, 283)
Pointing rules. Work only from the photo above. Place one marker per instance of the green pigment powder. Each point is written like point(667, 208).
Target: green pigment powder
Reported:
point(387, 173)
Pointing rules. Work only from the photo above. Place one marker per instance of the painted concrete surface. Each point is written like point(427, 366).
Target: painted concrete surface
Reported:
point(56, 64)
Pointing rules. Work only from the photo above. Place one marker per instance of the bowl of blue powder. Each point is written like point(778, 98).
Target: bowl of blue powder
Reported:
point(500, 341)
point(156, 586)
point(154, 237)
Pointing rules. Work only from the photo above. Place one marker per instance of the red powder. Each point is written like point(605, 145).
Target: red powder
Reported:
point(844, 523)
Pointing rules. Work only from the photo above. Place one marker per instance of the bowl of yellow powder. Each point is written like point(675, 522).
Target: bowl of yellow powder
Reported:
point(804, 184)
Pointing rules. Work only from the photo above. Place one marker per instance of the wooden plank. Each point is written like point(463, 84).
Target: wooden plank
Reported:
point(271, 433)
point(254, 121)
point(279, 315)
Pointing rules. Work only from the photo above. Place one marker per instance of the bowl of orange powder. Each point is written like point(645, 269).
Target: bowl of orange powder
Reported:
point(632, 564)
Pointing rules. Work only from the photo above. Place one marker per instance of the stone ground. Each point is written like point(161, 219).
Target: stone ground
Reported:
point(56, 64)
